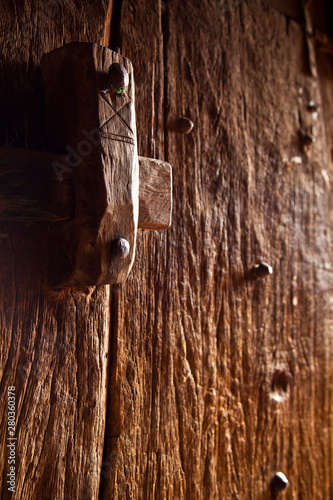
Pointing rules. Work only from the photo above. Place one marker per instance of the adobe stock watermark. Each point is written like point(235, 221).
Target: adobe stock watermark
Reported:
point(76, 156)
point(11, 439)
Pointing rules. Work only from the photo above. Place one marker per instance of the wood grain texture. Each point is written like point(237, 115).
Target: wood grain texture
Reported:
point(291, 9)
point(220, 382)
point(98, 126)
point(54, 345)
point(155, 194)
point(38, 186)
point(216, 382)
point(319, 12)
point(30, 189)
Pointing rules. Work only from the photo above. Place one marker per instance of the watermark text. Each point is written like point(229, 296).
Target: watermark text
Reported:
point(11, 439)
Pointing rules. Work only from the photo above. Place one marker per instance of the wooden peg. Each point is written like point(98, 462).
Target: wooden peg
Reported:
point(94, 185)
point(37, 186)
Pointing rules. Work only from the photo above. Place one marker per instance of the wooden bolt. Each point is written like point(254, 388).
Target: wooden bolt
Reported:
point(278, 482)
point(98, 194)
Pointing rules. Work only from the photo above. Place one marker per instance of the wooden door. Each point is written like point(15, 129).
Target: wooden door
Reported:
point(192, 380)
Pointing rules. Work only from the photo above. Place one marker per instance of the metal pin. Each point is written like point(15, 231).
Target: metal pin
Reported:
point(119, 248)
point(262, 270)
point(312, 106)
point(118, 77)
point(278, 482)
point(184, 125)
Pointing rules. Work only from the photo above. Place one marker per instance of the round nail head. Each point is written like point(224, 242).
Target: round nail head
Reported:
point(279, 482)
point(120, 248)
point(262, 270)
point(312, 105)
point(184, 125)
point(118, 76)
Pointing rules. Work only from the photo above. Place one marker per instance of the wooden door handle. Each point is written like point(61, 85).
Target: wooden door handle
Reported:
point(93, 186)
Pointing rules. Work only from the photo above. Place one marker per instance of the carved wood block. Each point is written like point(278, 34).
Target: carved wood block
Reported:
point(90, 187)
point(95, 124)
point(30, 190)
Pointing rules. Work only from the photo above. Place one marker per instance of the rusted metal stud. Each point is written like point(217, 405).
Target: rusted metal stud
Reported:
point(119, 248)
point(118, 78)
point(262, 270)
point(184, 125)
point(278, 482)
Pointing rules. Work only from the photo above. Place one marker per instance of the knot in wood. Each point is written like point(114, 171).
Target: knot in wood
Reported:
point(119, 248)
point(118, 76)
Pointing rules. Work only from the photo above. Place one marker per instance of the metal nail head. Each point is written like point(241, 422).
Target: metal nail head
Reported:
point(118, 77)
point(278, 482)
point(119, 248)
point(184, 125)
point(312, 106)
point(262, 270)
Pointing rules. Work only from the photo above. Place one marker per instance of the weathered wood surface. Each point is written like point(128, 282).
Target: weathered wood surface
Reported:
point(30, 189)
point(320, 12)
point(85, 117)
point(155, 194)
point(38, 186)
point(216, 382)
point(54, 345)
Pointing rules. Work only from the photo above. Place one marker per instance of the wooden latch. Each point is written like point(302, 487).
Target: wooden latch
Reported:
point(93, 187)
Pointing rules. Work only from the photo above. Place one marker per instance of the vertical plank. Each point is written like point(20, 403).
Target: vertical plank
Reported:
point(219, 381)
point(54, 345)
point(135, 450)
